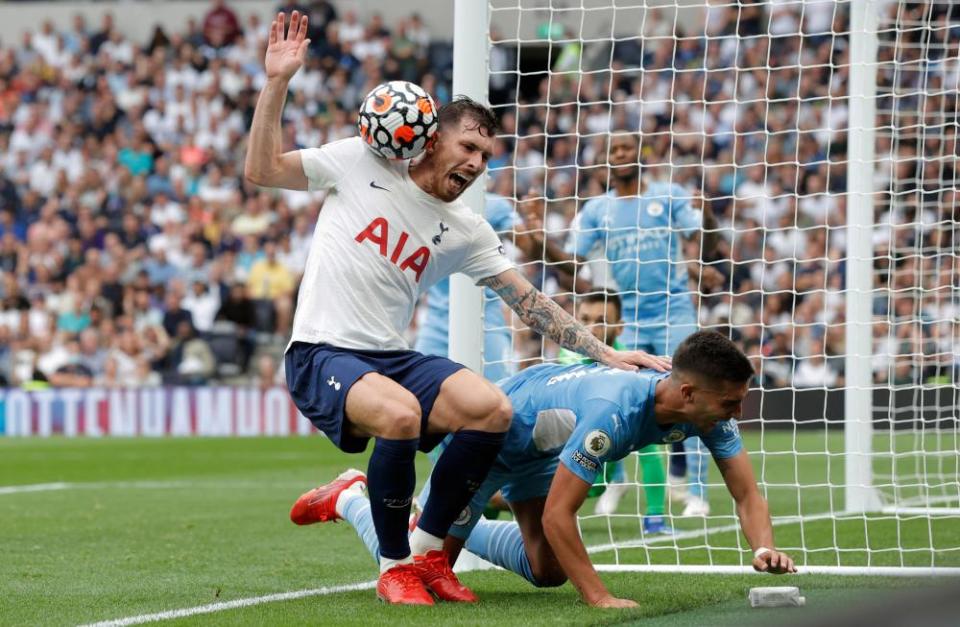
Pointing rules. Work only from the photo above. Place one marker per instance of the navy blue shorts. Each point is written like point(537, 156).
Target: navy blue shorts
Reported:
point(320, 375)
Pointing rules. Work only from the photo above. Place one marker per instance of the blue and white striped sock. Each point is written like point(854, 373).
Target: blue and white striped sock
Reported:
point(500, 542)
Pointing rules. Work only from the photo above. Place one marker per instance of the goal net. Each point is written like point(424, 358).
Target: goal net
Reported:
point(818, 142)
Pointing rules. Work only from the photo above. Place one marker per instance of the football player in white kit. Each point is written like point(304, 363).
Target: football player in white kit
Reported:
point(389, 230)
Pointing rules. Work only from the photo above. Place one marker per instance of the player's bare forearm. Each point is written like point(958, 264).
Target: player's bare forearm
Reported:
point(265, 163)
point(751, 506)
point(754, 518)
point(564, 538)
point(545, 316)
point(567, 493)
point(263, 145)
point(754, 515)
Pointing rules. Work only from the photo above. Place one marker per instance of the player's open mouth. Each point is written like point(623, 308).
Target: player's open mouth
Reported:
point(459, 180)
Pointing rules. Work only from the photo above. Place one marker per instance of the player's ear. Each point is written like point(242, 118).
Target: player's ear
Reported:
point(432, 142)
point(614, 330)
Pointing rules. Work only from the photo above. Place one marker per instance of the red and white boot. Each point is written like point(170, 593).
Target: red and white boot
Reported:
point(320, 504)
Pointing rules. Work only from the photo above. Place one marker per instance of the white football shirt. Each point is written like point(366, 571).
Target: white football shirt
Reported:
point(380, 240)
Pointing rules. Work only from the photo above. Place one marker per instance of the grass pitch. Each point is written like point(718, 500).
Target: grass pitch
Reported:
point(117, 528)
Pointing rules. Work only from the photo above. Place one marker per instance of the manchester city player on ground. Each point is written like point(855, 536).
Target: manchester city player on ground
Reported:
point(568, 421)
point(648, 232)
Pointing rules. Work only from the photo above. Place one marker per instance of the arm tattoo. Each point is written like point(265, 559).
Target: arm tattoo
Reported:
point(545, 316)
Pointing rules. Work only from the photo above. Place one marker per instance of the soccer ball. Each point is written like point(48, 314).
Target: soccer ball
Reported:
point(397, 120)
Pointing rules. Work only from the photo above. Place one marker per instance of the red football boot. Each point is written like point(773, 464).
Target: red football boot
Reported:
point(320, 504)
point(437, 575)
point(402, 585)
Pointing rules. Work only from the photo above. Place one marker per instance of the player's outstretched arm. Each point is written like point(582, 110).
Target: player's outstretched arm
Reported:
point(567, 493)
point(546, 317)
point(754, 515)
point(265, 165)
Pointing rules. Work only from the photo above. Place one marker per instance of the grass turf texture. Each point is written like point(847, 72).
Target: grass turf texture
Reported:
point(153, 525)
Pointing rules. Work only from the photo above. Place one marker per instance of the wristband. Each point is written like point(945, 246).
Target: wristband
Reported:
point(761, 551)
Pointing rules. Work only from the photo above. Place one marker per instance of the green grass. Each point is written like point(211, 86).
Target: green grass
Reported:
point(210, 524)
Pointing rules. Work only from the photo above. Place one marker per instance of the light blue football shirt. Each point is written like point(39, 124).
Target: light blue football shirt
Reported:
point(641, 239)
point(591, 414)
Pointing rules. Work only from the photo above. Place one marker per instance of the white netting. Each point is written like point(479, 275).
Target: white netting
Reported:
point(916, 240)
point(744, 106)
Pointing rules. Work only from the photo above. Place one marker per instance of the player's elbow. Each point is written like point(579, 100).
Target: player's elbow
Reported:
point(255, 175)
point(251, 175)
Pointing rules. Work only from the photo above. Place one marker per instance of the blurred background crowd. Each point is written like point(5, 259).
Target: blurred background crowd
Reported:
point(133, 253)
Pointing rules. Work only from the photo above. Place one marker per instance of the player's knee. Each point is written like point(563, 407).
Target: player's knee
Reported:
point(502, 415)
point(400, 421)
point(498, 413)
point(549, 577)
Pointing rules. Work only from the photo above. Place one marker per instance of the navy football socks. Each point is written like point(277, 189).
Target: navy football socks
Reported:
point(458, 473)
point(391, 479)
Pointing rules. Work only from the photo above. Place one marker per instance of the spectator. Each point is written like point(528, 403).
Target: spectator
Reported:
point(221, 27)
point(175, 315)
point(202, 303)
point(271, 285)
point(193, 359)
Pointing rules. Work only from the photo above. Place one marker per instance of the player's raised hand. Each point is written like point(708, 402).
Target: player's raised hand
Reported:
point(611, 601)
point(286, 50)
point(774, 562)
point(632, 360)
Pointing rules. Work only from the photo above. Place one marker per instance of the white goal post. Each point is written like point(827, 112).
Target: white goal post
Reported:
point(824, 137)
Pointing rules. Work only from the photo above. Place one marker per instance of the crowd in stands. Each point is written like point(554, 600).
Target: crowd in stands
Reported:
point(747, 109)
point(133, 253)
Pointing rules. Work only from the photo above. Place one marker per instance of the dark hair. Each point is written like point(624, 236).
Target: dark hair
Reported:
point(621, 131)
point(712, 356)
point(461, 106)
point(607, 297)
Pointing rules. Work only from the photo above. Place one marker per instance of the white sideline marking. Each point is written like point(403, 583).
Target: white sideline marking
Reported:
point(33, 487)
point(136, 485)
point(229, 605)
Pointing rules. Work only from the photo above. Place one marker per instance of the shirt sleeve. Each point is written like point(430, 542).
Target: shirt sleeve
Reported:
point(324, 166)
point(684, 217)
point(597, 438)
point(584, 232)
point(486, 256)
point(724, 440)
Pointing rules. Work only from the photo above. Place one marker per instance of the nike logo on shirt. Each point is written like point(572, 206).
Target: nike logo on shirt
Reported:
point(375, 186)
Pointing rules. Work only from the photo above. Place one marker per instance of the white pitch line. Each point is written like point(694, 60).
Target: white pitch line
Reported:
point(229, 605)
point(33, 487)
point(135, 485)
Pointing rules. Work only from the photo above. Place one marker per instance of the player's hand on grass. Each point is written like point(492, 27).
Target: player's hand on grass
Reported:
point(611, 601)
point(286, 50)
point(631, 360)
point(774, 562)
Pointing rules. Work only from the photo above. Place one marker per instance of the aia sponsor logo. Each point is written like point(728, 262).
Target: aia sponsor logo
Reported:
point(378, 233)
